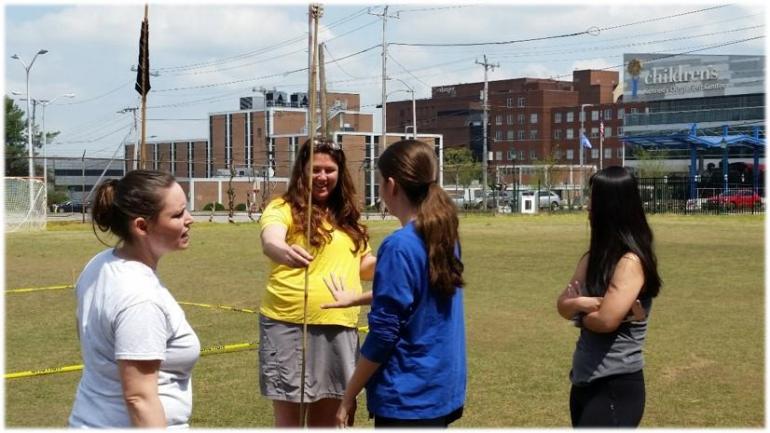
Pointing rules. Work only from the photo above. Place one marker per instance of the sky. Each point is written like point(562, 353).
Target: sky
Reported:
point(207, 56)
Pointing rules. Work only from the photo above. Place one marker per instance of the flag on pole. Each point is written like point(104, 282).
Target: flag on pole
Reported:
point(143, 68)
point(584, 141)
point(601, 129)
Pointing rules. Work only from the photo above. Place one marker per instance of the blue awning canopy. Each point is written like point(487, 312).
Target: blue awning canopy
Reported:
point(684, 140)
point(690, 140)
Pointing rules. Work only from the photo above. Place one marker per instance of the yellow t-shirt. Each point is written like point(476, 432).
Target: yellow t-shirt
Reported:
point(284, 297)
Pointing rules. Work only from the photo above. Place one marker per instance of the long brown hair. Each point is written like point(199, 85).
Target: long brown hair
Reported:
point(412, 164)
point(137, 194)
point(341, 209)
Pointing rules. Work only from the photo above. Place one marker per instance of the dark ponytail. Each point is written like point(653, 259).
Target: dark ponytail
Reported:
point(412, 164)
point(118, 202)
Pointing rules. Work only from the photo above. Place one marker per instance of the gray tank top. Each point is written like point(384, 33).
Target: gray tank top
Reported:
point(619, 352)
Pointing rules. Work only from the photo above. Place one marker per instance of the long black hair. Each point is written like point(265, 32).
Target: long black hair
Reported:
point(618, 226)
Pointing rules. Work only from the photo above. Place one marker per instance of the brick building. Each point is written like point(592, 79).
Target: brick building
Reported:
point(259, 144)
point(530, 119)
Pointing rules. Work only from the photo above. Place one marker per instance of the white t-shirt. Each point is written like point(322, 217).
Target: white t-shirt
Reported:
point(124, 312)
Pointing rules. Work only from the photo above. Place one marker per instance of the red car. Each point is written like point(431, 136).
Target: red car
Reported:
point(733, 199)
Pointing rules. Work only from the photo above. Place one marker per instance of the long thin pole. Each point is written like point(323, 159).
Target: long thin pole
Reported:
point(315, 13)
point(414, 116)
point(384, 15)
point(145, 66)
point(322, 80)
point(484, 144)
point(45, 158)
point(384, 139)
point(83, 186)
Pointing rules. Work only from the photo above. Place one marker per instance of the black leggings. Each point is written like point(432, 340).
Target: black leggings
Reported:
point(440, 422)
point(613, 401)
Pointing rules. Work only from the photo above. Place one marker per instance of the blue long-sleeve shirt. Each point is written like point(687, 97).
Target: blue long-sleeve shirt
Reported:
point(416, 334)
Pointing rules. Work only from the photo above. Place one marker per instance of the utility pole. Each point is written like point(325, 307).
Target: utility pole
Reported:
point(136, 145)
point(322, 80)
point(384, 15)
point(485, 152)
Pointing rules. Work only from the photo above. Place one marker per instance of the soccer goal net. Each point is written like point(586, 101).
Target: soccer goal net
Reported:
point(25, 204)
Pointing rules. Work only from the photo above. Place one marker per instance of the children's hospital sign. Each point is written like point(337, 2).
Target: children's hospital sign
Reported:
point(648, 77)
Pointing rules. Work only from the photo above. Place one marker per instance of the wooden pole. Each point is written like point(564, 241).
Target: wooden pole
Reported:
point(315, 12)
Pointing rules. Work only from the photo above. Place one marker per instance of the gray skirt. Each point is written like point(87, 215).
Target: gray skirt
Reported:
point(332, 351)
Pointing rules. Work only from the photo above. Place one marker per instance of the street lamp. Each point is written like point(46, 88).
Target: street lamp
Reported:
point(414, 106)
point(29, 119)
point(44, 103)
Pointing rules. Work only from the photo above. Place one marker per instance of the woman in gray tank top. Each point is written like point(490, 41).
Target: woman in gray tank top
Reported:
point(609, 298)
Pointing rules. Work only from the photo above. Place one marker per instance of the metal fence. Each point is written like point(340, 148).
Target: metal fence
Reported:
point(672, 195)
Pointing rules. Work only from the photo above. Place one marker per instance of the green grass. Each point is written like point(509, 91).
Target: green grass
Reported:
point(704, 354)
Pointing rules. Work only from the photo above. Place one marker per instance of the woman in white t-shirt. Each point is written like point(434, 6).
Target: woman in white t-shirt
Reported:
point(137, 347)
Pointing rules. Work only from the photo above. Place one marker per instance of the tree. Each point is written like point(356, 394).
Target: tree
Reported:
point(651, 163)
point(15, 140)
point(462, 166)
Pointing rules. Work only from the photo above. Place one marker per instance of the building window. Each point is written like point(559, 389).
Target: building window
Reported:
point(509, 136)
point(570, 116)
point(499, 155)
point(557, 118)
point(570, 154)
point(498, 135)
point(533, 134)
point(608, 132)
point(521, 101)
point(533, 118)
point(607, 153)
point(634, 110)
point(620, 131)
point(594, 132)
point(521, 155)
point(557, 133)
point(499, 119)
point(520, 118)
point(511, 154)
point(620, 152)
point(509, 119)
point(621, 113)
point(608, 114)
point(570, 134)
point(509, 102)
point(594, 114)
point(557, 154)
point(520, 134)
point(594, 153)
point(533, 155)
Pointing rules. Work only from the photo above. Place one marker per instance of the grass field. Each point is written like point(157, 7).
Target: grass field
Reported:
point(704, 354)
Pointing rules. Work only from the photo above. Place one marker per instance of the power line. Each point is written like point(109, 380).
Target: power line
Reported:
point(590, 31)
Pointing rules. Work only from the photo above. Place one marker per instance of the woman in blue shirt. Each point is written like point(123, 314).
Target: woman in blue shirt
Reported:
point(413, 360)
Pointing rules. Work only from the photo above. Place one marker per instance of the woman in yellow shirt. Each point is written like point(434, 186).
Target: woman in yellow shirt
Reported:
point(339, 246)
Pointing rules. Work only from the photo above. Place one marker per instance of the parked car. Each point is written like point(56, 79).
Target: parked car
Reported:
point(736, 199)
point(71, 206)
point(546, 199)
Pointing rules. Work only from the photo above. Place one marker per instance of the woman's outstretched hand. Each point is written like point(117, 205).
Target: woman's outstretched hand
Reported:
point(342, 297)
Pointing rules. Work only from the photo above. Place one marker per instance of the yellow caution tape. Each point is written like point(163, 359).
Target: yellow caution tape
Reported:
point(222, 307)
point(213, 350)
point(43, 371)
point(228, 348)
point(38, 289)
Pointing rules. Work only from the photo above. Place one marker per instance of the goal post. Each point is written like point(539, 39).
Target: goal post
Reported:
point(25, 204)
